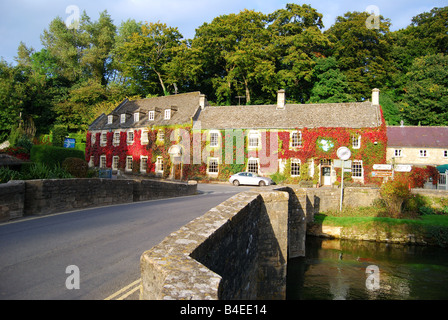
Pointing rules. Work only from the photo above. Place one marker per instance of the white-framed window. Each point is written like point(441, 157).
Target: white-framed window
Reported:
point(161, 135)
point(137, 117)
point(167, 115)
point(214, 138)
point(129, 162)
point(151, 115)
point(93, 138)
point(445, 153)
point(143, 163)
point(159, 165)
point(144, 138)
point(355, 140)
point(123, 118)
point(296, 139)
point(398, 153)
point(253, 165)
point(213, 166)
point(253, 139)
point(295, 167)
point(102, 161)
point(110, 119)
point(357, 170)
point(115, 161)
point(423, 153)
point(130, 137)
point(103, 140)
point(116, 140)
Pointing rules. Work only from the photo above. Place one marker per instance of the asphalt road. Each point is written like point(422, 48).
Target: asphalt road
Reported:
point(98, 249)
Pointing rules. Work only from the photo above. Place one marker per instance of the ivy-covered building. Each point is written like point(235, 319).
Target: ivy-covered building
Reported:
point(297, 141)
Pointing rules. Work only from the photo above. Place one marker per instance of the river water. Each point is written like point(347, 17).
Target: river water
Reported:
point(363, 270)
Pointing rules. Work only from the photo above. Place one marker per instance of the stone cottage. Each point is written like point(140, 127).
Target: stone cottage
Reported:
point(182, 136)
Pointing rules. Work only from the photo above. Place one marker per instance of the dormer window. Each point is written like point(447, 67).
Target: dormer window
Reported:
point(110, 119)
point(123, 118)
point(167, 114)
point(136, 117)
point(152, 115)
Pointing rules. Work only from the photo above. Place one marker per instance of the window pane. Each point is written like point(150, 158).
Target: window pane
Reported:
point(252, 166)
point(213, 166)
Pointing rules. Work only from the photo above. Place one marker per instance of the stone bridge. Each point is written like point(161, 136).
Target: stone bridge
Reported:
point(239, 249)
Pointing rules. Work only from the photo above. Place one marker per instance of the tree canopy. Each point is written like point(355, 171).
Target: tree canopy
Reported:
point(81, 72)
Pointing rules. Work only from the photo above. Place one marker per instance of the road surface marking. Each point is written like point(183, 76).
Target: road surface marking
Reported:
point(122, 291)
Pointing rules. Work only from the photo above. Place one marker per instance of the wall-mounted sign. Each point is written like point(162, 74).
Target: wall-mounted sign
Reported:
point(381, 174)
point(382, 167)
point(403, 168)
point(325, 144)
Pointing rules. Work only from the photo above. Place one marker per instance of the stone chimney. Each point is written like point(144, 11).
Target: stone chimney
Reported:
point(202, 101)
point(375, 97)
point(281, 99)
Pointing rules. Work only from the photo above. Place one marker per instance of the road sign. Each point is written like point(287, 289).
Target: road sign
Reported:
point(382, 167)
point(69, 143)
point(381, 174)
point(338, 164)
point(344, 153)
point(403, 168)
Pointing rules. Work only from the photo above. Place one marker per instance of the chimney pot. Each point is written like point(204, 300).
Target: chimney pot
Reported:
point(281, 99)
point(376, 97)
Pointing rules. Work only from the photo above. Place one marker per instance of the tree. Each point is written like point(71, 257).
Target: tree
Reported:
point(237, 57)
point(426, 91)
point(363, 54)
point(147, 54)
point(330, 85)
point(297, 37)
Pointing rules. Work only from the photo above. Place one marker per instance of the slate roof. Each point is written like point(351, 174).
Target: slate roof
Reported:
point(347, 115)
point(428, 137)
point(183, 108)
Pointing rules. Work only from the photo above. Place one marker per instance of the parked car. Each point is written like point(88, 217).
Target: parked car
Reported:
point(249, 178)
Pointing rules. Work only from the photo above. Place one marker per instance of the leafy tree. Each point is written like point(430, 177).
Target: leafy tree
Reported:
point(426, 98)
point(298, 39)
point(331, 84)
point(363, 54)
point(146, 55)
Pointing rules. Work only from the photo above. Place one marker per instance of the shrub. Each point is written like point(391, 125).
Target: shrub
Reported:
point(53, 156)
point(42, 171)
point(59, 134)
point(394, 193)
point(76, 167)
point(7, 174)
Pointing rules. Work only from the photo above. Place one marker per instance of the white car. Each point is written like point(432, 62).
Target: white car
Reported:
point(249, 178)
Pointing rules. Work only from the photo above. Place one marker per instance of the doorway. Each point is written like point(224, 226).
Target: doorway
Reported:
point(325, 172)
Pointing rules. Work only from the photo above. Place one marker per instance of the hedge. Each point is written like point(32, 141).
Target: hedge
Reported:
point(53, 156)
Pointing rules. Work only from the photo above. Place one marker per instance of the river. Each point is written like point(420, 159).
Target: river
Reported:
point(363, 270)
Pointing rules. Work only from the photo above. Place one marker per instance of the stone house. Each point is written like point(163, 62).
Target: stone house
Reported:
point(297, 140)
point(419, 147)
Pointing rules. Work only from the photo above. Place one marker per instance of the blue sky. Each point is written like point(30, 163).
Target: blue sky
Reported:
point(25, 20)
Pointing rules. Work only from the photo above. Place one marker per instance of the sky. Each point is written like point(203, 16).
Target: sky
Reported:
point(25, 20)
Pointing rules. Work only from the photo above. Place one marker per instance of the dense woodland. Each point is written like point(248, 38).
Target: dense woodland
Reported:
point(85, 71)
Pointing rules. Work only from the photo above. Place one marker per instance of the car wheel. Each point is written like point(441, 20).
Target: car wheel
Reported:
point(236, 183)
point(262, 183)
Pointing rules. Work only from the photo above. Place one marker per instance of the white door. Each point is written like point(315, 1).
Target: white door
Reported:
point(326, 176)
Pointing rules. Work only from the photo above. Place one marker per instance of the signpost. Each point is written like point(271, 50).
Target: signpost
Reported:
point(344, 154)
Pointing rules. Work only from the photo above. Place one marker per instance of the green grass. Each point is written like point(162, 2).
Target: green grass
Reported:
point(346, 221)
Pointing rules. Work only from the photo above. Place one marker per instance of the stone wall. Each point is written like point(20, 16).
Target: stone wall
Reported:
point(42, 197)
point(12, 197)
point(237, 250)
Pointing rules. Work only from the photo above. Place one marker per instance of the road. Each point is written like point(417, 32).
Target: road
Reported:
point(103, 245)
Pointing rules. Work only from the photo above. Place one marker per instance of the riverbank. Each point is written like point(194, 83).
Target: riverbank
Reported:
point(421, 230)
